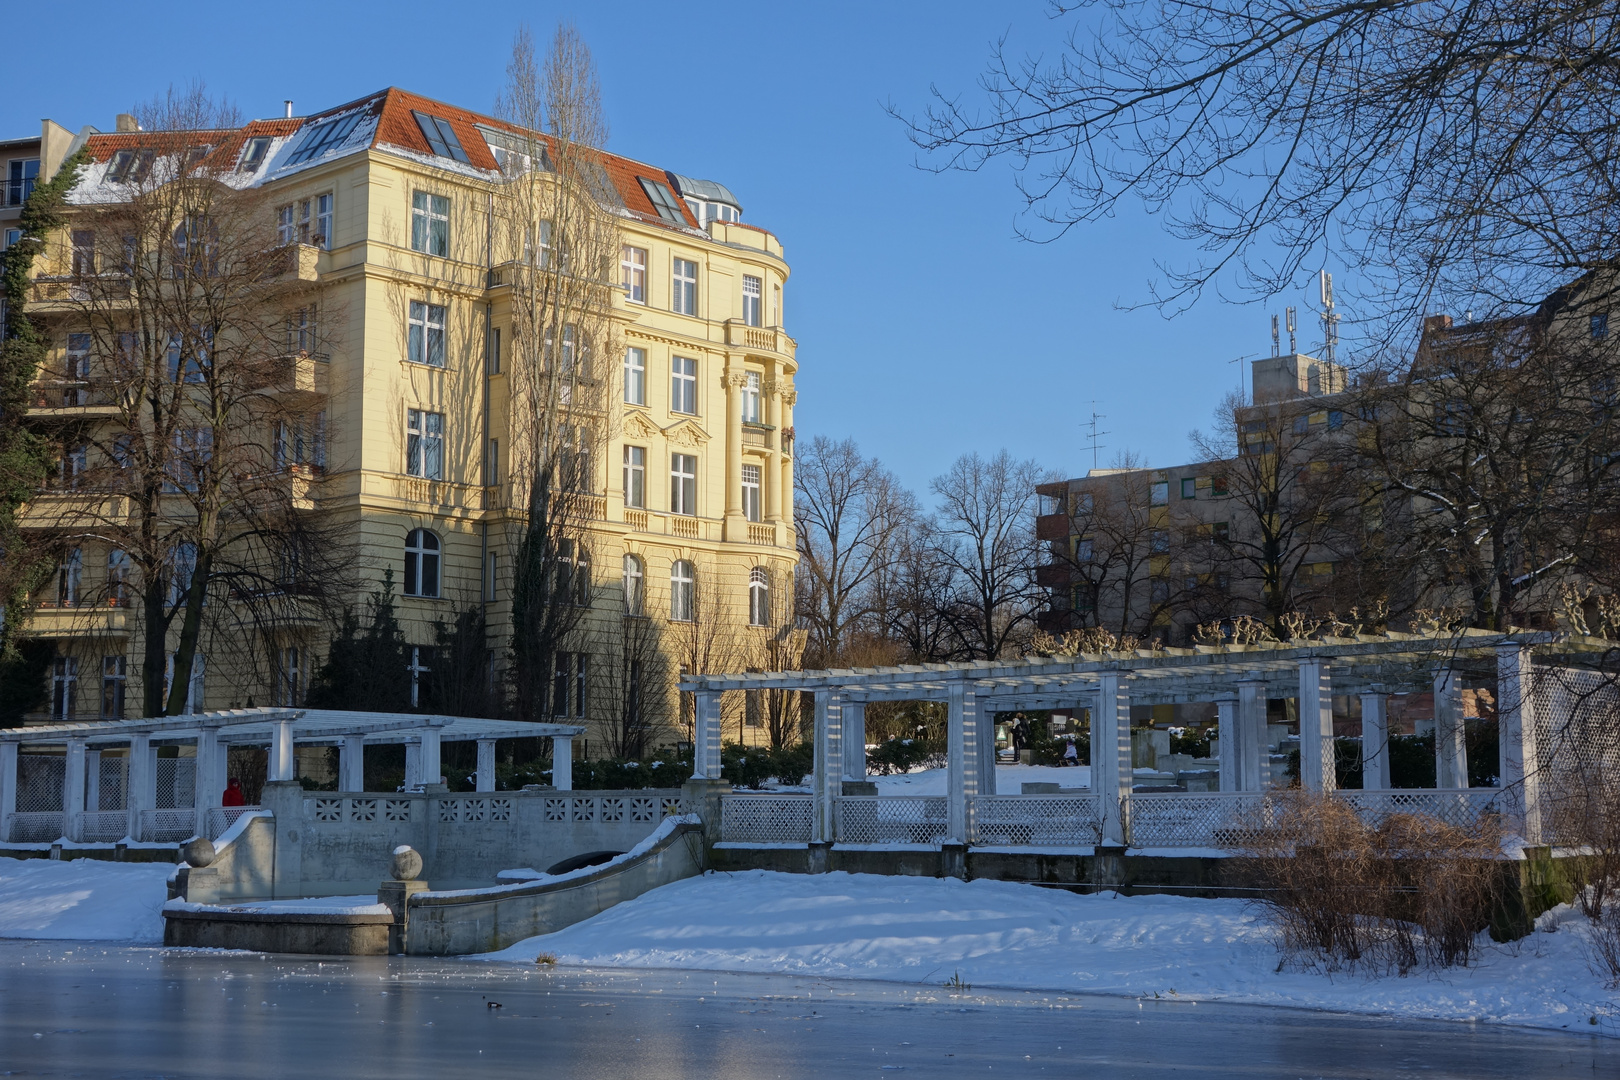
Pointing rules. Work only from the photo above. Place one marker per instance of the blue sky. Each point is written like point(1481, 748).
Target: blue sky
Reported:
point(926, 328)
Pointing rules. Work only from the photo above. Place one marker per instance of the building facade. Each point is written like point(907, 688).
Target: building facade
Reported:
point(392, 416)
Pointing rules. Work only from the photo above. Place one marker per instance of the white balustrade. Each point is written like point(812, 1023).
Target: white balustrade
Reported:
point(1037, 820)
point(892, 819)
point(766, 819)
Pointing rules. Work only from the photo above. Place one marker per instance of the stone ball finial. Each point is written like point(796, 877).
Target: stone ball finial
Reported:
point(407, 863)
point(198, 852)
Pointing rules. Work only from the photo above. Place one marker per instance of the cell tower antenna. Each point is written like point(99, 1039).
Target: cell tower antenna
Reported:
point(1330, 319)
point(1276, 342)
point(1093, 434)
point(1292, 324)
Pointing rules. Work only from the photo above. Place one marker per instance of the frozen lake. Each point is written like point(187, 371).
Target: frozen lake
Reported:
point(74, 1009)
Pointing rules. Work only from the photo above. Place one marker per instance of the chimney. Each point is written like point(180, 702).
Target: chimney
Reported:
point(125, 122)
point(288, 103)
point(1436, 323)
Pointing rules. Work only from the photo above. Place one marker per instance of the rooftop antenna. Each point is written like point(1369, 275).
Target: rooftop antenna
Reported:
point(1276, 342)
point(1239, 361)
point(1330, 321)
point(1293, 324)
point(1093, 434)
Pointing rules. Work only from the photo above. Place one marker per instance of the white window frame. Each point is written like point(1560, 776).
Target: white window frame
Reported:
point(64, 687)
point(635, 586)
point(683, 385)
point(424, 444)
point(683, 286)
point(753, 488)
point(635, 477)
point(753, 300)
point(683, 484)
point(430, 223)
point(682, 589)
point(423, 550)
point(759, 597)
point(752, 402)
point(425, 334)
point(635, 376)
point(633, 276)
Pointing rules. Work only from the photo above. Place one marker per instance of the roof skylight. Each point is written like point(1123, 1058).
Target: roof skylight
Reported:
point(663, 200)
point(441, 136)
point(327, 135)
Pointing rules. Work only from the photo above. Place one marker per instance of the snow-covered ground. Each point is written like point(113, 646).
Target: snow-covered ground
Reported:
point(999, 934)
point(1009, 779)
point(83, 899)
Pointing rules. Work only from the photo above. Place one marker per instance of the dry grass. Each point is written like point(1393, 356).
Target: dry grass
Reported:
point(547, 959)
point(1411, 890)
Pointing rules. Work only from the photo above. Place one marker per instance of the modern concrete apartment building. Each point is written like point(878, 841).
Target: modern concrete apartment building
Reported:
point(395, 420)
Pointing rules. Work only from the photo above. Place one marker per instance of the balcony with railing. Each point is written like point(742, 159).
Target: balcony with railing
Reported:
point(299, 377)
point(765, 339)
point(71, 396)
point(758, 437)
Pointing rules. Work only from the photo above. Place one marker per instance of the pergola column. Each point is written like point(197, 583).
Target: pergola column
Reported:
point(1375, 741)
point(1316, 768)
point(283, 763)
point(209, 787)
point(352, 763)
point(1516, 719)
point(8, 787)
point(1252, 762)
point(486, 765)
point(828, 764)
point(984, 736)
point(1111, 756)
point(413, 765)
point(705, 735)
point(142, 794)
point(962, 777)
point(432, 771)
point(92, 781)
point(73, 789)
point(562, 762)
point(852, 733)
point(1450, 751)
point(1226, 728)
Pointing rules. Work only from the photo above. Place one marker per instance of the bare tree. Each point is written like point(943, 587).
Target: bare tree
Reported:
point(554, 209)
point(1291, 494)
point(1458, 152)
point(183, 464)
point(986, 517)
point(1496, 453)
point(848, 511)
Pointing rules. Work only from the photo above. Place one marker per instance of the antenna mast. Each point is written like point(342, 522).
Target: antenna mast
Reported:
point(1330, 320)
point(1293, 324)
point(1093, 434)
point(1276, 342)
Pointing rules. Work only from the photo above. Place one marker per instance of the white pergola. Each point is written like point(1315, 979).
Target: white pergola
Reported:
point(279, 729)
point(1237, 679)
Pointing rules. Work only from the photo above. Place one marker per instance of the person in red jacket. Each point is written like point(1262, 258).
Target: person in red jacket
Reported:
point(233, 794)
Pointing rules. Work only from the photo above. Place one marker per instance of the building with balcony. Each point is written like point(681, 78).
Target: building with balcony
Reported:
point(395, 418)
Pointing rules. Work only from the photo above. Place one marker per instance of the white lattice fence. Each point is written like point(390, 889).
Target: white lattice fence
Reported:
point(34, 826)
point(168, 826)
point(221, 818)
point(1036, 820)
point(891, 819)
point(112, 785)
point(1461, 808)
point(176, 783)
point(766, 819)
point(103, 826)
point(1214, 819)
point(39, 784)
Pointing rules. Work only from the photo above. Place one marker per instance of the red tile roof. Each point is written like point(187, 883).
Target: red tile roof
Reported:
point(396, 126)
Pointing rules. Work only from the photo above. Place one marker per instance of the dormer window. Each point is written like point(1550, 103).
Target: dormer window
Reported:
point(441, 137)
point(663, 201)
point(253, 153)
point(129, 166)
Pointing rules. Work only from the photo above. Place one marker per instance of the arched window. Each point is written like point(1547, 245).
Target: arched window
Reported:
point(634, 583)
point(759, 597)
point(421, 563)
point(681, 580)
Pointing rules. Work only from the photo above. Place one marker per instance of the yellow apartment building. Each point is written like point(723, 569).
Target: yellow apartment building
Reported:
point(393, 422)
